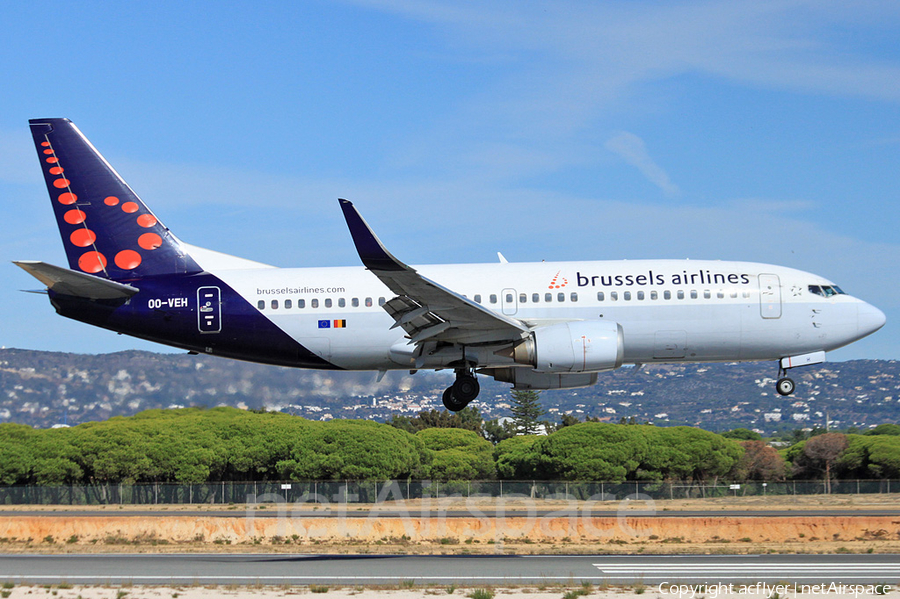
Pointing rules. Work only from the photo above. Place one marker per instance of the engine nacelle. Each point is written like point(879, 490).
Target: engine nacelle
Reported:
point(582, 346)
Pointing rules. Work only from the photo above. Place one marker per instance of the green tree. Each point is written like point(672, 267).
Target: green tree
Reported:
point(567, 420)
point(885, 429)
point(526, 411)
point(16, 459)
point(742, 434)
point(515, 457)
point(495, 432)
point(876, 456)
point(456, 454)
point(352, 449)
point(686, 453)
point(469, 418)
point(591, 451)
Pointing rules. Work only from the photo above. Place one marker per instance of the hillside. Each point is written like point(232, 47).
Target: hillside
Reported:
point(43, 389)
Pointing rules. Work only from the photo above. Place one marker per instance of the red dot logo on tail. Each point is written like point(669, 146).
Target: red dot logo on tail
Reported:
point(128, 259)
point(92, 262)
point(83, 237)
point(74, 216)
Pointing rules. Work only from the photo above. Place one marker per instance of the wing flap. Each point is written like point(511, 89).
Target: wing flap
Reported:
point(70, 282)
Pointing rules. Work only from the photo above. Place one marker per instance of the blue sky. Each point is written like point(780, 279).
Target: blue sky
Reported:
point(765, 131)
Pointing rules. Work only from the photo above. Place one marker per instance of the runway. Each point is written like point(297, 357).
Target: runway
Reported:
point(158, 569)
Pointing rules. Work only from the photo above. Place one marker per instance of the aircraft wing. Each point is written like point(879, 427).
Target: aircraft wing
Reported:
point(424, 309)
point(78, 284)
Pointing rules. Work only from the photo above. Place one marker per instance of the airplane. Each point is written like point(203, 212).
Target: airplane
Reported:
point(543, 325)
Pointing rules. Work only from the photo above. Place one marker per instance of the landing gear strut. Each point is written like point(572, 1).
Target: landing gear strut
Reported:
point(462, 391)
point(784, 385)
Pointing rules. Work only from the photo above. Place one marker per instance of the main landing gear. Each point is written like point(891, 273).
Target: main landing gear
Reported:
point(462, 391)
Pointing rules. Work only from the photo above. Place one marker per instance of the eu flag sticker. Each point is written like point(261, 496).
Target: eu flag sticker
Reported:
point(324, 324)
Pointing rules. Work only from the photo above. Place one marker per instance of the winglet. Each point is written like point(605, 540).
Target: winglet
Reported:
point(371, 251)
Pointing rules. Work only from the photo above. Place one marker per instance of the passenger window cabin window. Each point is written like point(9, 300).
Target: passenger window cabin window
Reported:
point(342, 303)
point(613, 296)
point(381, 301)
point(355, 302)
point(734, 293)
point(654, 295)
point(328, 302)
point(640, 295)
point(573, 296)
point(627, 296)
point(288, 304)
point(509, 298)
point(693, 294)
point(274, 304)
point(560, 297)
point(548, 297)
point(368, 302)
point(477, 298)
point(706, 294)
point(680, 294)
point(493, 298)
point(535, 298)
point(667, 294)
point(746, 293)
point(720, 294)
point(600, 296)
point(314, 303)
point(523, 298)
point(301, 303)
point(261, 304)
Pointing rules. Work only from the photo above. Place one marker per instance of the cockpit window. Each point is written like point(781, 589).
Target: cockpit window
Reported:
point(825, 290)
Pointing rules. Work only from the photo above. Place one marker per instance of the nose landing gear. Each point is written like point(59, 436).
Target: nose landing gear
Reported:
point(785, 386)
point(462, 391)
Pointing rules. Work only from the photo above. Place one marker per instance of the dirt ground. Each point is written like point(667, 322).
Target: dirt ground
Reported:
point(486, 526)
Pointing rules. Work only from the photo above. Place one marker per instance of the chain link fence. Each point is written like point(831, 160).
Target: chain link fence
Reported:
point(332, 491)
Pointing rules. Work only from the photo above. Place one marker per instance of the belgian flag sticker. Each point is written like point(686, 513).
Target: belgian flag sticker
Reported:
point(340, 324)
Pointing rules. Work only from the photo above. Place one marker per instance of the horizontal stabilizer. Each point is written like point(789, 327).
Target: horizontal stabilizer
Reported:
point(70, 282)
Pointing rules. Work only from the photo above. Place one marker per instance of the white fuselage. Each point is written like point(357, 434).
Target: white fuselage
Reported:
point(669, 310)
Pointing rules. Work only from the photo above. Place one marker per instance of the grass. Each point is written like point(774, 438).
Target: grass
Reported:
point(318, 588)
point(481, 594)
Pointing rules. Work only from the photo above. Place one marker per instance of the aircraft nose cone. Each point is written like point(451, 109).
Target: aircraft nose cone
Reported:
point(870, 319)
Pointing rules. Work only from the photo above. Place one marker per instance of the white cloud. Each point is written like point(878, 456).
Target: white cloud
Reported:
point(633, 150)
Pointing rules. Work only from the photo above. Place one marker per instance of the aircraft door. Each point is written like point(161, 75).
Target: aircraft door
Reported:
point(770, 296)
point(509, 302)
point(209, 309)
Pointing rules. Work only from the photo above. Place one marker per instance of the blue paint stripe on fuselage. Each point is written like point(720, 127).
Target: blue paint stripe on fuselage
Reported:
point(166, 311)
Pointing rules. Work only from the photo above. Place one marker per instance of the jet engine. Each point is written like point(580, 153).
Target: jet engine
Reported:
point(578, 346)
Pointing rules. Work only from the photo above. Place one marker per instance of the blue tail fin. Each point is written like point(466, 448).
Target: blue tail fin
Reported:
point(106, 229)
